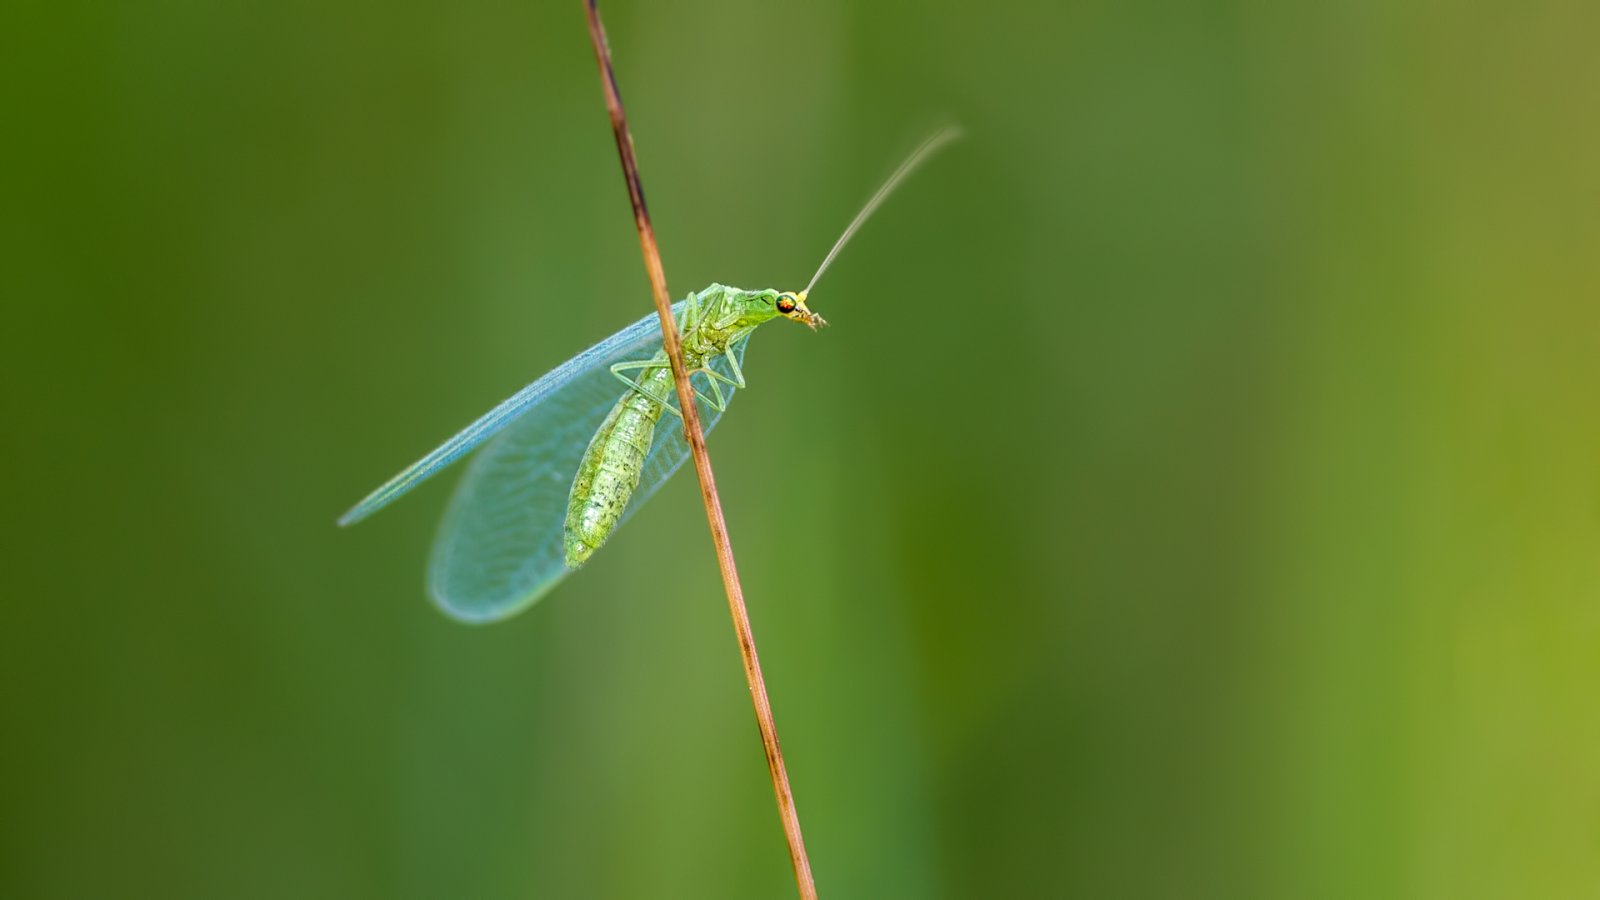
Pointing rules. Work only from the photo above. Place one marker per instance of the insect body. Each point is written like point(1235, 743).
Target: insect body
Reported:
point(569, 461)
point(713, 322)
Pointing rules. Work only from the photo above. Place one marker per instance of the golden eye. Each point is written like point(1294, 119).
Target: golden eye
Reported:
point(786, 304)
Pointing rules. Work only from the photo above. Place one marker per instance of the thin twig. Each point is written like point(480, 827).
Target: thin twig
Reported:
point(695, 436)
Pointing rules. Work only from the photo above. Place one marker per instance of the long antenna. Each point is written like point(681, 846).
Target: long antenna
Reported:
point(939, 139)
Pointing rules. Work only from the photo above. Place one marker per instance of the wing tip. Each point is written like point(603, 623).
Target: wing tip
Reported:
point(491, 612)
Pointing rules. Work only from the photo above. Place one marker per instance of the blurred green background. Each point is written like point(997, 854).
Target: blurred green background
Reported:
point(1195, 495)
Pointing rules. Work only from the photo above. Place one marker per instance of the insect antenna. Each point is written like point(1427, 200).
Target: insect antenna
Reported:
point(939, 139)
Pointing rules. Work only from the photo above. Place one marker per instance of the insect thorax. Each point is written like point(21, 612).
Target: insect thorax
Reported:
point(724, 314)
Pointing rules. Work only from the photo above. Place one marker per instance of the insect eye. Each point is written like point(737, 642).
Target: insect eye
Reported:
point(786, 305)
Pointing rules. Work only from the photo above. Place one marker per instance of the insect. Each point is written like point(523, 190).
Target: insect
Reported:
point(570, 460)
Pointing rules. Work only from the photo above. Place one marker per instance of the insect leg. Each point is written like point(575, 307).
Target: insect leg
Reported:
point(718, 404)
point(713, 376)
point(733, 364)
point(691, 310)
point(646, 365)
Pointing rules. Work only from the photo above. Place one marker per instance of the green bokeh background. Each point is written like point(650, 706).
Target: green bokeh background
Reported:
point(1195, 495)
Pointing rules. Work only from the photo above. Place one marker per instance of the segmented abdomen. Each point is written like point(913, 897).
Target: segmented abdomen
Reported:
point(611, 467)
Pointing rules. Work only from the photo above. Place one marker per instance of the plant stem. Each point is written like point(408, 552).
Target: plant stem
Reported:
point(695, 436)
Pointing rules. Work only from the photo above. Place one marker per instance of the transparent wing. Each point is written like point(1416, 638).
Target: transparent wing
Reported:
point(500, 546)
point(630, 342)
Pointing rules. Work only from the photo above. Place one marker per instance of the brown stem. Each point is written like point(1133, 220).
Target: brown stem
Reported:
point(695, 435)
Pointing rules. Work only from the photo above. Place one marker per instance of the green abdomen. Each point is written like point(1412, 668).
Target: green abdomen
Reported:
point(611, 467)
